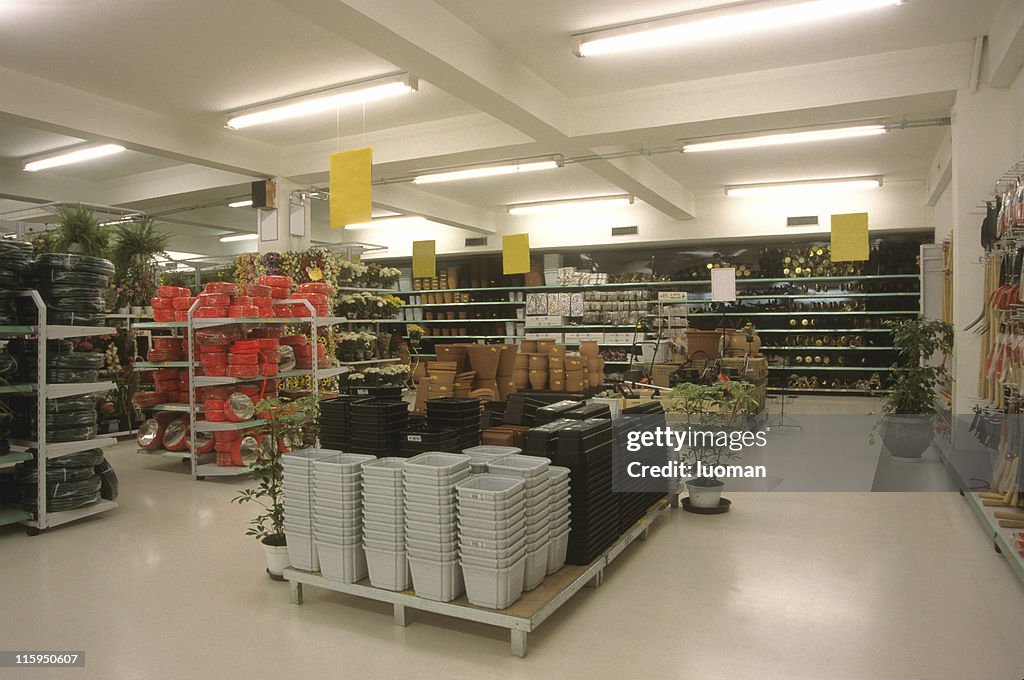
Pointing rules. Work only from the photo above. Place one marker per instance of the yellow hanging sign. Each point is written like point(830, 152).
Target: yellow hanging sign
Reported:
point(850, 238)
point(424, 259)
point(350, 183)
point(515, 252)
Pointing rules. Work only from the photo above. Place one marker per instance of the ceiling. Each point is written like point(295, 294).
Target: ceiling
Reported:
point(497, 81)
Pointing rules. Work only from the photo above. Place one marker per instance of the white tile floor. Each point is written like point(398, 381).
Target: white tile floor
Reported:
point(787, 585)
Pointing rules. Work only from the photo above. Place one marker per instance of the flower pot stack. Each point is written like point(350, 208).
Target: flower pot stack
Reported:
point(551, 367)
point(492, 538)
point(338, 516)
point(481, 456)
point(534, 473)
point(384, 523)
point(431, 535)
point(558, 489)
point(298, 494)
point(454, 413)
point(171, 304)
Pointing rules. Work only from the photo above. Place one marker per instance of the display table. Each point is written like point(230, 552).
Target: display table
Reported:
point(521, 618)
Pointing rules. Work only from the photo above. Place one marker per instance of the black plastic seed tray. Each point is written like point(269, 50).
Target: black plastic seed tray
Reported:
point(585, 462)
point(521, 409)
point(583, 435)
point(646, 407)
point(377, 406)
point(546, 414)
point(453, 405)
point(588, 411)
point(453, 420)
point(423, 435)
point(594, 538)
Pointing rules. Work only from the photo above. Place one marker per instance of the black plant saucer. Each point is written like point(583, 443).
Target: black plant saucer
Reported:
point(723, 506)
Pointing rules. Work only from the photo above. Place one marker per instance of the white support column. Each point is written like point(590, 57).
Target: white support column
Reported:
point(984, 147)
point(287, 227)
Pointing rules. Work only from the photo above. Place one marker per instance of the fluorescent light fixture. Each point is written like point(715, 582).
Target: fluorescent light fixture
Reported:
point(780, 139)
point(570, 204)
point(239, 237)
point(805, 186)
point(488, 171)
point(241, 204)
point(735, 19)
point(390, 221)
point(325, 100)
point(76, 156)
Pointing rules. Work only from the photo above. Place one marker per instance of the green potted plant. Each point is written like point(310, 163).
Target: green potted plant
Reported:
point(906, 426)
point(80, 232)
point(136, 245)
point(289, 425)
point(719, 407)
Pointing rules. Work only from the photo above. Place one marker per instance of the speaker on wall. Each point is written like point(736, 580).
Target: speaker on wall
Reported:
point(263, 193)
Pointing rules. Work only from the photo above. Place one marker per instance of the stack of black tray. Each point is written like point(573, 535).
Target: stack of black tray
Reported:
point(521, 409)
point(456, 413)
point(585, 447)
point(335, 423)
point(546, 414)
point(543, 439)
point(376, 426)
point(420, 438)
point(587, 411)
point(634, 495)
point(493, 415)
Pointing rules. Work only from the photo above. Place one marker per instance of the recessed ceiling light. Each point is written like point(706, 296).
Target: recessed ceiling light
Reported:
point(782, 138)
point(569, 204)
point(239, 237)
point(734, 19)
point(75, 156)
point(325, 100)
point(804, 186)
point(487, 171)
point(241, 204)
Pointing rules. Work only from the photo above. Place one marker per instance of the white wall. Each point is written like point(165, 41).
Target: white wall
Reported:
point(896, 206)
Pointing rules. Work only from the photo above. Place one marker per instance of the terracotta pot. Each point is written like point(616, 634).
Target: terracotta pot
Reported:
point(556, 351)
point(521, 377)
point(453, 277)
point(594, 377)
point(557, 385)
point(538, 362)
point(592, 363)
point(507, 386)
point(528, 347)
point(588, 348)
point(586, 382)
point(544, 346)
point(574, 384)
point(453, 353)
point(522, 360)
point(484, 360)
point(538, 378)
point(573, 364)
point(557, 374)
point(556, 362)
point(506, 360)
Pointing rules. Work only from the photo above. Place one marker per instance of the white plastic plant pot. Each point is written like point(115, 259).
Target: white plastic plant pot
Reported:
point(521, 466)
point(277, 558)
point(470, 522)
point(383, 543)
point(496, 510)
point(434, 463)
point(345, 563)
point(536, 567)
point(482, 538)
point(490, 487)
point(557, 550)
point(495, 588)
point(441, 581)
point(388, 570)
point(492, 562)
point(304, 458)
point(429, 484)
point(342, 464)
point(468, 551)
point(302, 551)
point(384, 468)
point(705, 493)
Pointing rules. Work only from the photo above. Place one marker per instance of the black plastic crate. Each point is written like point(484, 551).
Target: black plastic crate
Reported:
point(546, 414)
point(384, 393)
point(588, 411)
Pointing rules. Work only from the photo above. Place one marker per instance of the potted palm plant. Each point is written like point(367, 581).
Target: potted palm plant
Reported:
point(288, 425)
point(80, 232)
point(136, 245)
point(719, 407)
point(908, 410)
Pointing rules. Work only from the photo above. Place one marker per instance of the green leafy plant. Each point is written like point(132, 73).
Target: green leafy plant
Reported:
point(721, 406)
point(137, 243)
point(80, 232)
point(289, 425)
point(181, 279)
point(912, 381)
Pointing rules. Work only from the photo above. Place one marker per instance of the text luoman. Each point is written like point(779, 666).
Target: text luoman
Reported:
point(676, 470)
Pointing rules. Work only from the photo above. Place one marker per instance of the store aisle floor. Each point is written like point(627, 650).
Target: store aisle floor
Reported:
point(788, 585)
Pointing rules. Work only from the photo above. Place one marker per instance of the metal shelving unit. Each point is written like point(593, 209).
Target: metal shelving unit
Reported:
point(44, 519)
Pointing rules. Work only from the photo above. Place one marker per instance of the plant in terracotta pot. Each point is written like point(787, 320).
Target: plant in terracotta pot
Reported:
point(906, 426)
point(289, 425)
point(719, 407)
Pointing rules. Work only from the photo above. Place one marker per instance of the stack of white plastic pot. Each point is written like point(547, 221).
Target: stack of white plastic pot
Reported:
point(492, 538)
point(338, 515)
point(384, 523)
point(430, 523)
point(533, 470)
point(558, 493)
point(298, 506)
point(481, 456)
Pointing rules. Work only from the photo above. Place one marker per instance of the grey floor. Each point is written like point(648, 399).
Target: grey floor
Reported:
point(842, 584)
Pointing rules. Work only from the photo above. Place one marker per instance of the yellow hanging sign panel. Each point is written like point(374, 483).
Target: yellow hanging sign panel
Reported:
point(515, 253)
point(424, 259)
point(850, 238)
point(351, 187)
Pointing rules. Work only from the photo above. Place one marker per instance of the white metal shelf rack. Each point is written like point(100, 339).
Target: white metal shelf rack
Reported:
point(44, 519)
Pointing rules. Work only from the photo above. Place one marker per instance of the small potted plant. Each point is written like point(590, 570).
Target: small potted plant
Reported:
point(289, 425)
point(722, 406)
point(907, 423)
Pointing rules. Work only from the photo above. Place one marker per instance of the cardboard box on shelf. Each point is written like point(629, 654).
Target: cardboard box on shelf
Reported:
point(557, 337)
point(571, 338)
point(545, 320)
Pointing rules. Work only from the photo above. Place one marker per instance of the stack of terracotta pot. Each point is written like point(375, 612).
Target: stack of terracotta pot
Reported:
point(486, 372)
point(545, 365)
